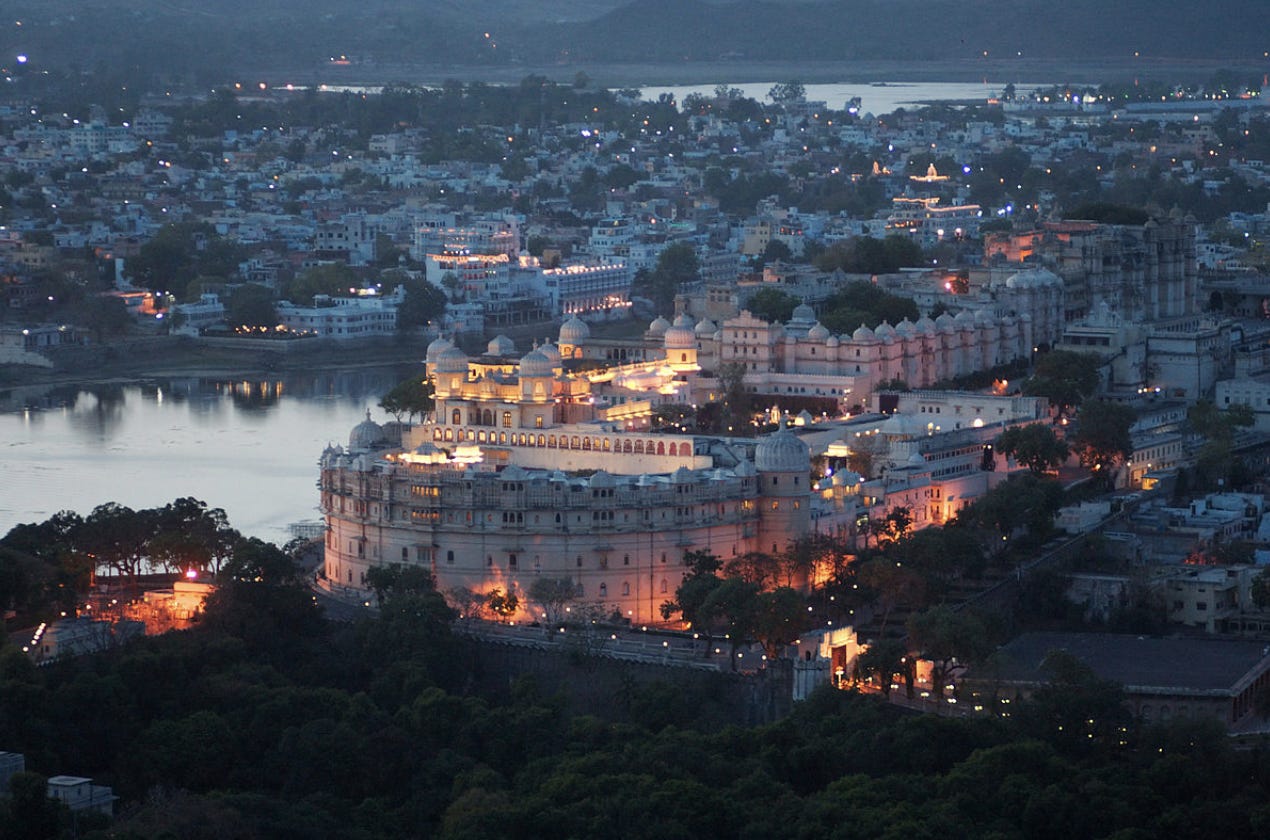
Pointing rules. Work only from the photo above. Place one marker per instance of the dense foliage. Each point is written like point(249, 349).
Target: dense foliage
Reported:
point(294, 727)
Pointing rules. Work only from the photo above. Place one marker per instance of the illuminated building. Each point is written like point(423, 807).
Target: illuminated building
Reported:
point(520, 473)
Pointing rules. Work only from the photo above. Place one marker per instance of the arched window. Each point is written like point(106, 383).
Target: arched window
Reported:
point(674, 450)
point(626, 589)
point(487, 418)
point(606, 445)
point(683, 357)
point(604, 590)
point(639, 447)
point(576, 443)
point(507, 419)
point(541, 440)
point(586, 444)
point(661, 448)
point(626, 446)
point(665, 586)
point(551, 442)
point(456, 417)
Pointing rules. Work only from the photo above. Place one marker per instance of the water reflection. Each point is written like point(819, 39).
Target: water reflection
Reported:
point(249, 445)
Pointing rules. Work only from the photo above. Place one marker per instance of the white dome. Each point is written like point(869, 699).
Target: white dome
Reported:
point(659, 326)
point(925, 325)
point(574, 330)
point(500, 346)
point(782, 451)
point(365, 435)
point(436, 348)
point(535, 363)
point(684, 320)
point(453, 360)
point(884, 331)
point(602, 479)
point(551, 352)
point(905, 328)
point(965, 318)
point(679, 338)
point(819, 332)
point(863, 333)
point(705, 328)
point(803, 313)
point(945, 322)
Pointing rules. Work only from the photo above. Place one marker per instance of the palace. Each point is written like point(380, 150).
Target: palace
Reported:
point(518, 474)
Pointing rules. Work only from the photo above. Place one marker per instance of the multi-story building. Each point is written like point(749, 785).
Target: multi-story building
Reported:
point(517, 476)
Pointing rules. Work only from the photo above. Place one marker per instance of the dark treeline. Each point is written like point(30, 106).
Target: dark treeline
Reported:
point(268, 721)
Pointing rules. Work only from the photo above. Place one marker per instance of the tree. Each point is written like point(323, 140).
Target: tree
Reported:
point(787, 93)
point(189, 536)
point(251, 305)
point(676, 268)
point(950, 639)
point(731, 608)
point(1260, 590)
point(553, 595)
point(409, 397)
point(885, 658)
point(331, 279)
point(396, 580)
point(1065, 377)
point(772, 305)
point(1102, 439)
point(502, 604)
point(103, 314)
point(778, 618)
point(424, 304)
point(255, 561)
point(892, 585)
point(1035, 446)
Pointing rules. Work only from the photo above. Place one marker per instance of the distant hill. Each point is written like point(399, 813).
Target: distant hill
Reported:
point(219, 40)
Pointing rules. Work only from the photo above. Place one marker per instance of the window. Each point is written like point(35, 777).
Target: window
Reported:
point(507, 419)
point(456, 417)
point(626, 589)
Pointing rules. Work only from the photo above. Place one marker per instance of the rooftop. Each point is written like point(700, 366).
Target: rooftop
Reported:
point(1140, 662)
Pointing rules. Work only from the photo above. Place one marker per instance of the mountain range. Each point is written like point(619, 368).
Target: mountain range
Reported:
point(180, 37)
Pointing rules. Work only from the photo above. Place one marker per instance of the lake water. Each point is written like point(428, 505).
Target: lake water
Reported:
point(880, 98)
point(877, 98)
point(249, 446)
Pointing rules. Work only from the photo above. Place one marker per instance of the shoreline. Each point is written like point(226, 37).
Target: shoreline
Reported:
point(133, 361)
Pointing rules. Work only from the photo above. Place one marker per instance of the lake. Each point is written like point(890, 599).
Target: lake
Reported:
point(879, 98)
point(250, 446)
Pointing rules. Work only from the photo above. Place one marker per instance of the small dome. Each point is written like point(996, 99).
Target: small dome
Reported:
point(984, 318)
point(436, 348)
point(965, 318)
point(803, 313)
point(551, 352)
point(453, 360)
point(863, 333)
point(884, 331)
point(659, 326)
point(683, 475)
point(916, 460)
point(833, 341)
point(574, 330)
point(500, 346)
point(602, 479)
point(365, 435)
point(905, 328)
point(925, 325)
point(679, 338)
point(819, 332)
point(684, 320)
point(705, 328)
point(782, 451)
point(535, 363)
point(945, 322)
